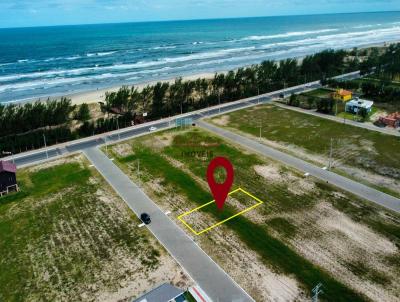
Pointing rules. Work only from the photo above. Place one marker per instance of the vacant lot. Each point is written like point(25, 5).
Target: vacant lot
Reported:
point(66, 237)
point(305, 232)
point(362, 154)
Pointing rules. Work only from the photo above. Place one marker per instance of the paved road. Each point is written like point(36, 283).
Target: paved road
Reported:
point(368, 126)
point(203, 270)
point(34, 157)
point(347, 184)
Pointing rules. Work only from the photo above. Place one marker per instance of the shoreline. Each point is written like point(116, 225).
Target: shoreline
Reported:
point(98, 95)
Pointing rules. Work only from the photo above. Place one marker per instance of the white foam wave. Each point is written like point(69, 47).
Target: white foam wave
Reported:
point(288, 35)
point(164, 47)
point(140, 64)
point(100, 54)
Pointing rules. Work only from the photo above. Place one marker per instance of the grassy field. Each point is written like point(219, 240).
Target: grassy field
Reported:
point(320, 93)
point(279, 231)
point(356, 151)
point(66, 237)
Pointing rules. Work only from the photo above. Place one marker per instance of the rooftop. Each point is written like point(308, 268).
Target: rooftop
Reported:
point(360, 103)
point(163, 293)
point(343, 92)
point(6, 166)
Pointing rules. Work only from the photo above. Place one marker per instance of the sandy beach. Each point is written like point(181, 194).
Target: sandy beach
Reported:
point(98, 95)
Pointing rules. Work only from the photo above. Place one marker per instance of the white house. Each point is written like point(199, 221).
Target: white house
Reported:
point(356, 104)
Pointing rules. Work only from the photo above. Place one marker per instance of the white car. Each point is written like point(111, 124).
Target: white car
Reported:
point(152, 129)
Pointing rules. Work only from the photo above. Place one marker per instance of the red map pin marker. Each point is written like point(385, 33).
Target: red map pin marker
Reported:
point(220, 191)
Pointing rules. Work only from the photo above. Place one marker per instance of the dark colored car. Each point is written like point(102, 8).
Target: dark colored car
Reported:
point(145, 218)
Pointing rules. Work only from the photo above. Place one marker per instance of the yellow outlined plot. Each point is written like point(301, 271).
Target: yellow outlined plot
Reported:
point(180, 217)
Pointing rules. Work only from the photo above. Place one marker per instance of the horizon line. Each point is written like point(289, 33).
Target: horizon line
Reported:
point(202, 19)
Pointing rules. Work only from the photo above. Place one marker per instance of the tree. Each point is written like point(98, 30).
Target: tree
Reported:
point(363, 112)
point(146, 95)
point(159, 94)
point(83, 113)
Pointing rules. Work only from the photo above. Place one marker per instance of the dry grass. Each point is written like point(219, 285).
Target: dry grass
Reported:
point(67, 237)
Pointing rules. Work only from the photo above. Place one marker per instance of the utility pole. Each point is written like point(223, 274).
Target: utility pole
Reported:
point(316, 291)
point(219, 101)
point(119, 135)
point(105, 140)
point(260, 129)
point(330, 155)
point(45, 146)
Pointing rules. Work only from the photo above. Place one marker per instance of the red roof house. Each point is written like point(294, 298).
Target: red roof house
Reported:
point(391, 120)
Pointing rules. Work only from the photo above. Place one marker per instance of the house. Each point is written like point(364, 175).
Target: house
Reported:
point(163, 293)
point(391, 120)
point(356, 104)
point(342, 95)
point(8, 179)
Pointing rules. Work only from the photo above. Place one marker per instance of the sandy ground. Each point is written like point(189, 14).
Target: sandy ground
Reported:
point(123, 276)
point(339, 156)
point(98, 95)
point(325, 236)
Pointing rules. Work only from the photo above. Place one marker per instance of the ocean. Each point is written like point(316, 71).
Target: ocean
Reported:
point(53, 61)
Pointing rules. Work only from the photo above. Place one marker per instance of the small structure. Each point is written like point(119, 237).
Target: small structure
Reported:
point(8, 178)
point(355, 105)
point(163, 293)
point(198, 294)
point(391, 120)
point(342, 95)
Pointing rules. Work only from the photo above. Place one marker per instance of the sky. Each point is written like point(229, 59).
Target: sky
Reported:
point(21, 13)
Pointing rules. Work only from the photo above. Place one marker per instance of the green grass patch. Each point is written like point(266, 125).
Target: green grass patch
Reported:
point(320, 93)
point(282, 226)
point(257, 237)
point(361, 148)
point(56, 237)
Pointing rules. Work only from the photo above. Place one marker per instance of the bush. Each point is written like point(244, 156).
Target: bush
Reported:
point(83, 113)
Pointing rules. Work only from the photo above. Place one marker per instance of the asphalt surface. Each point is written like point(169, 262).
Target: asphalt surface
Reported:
point(33, 157)
point(203, 270)
point(344, 183)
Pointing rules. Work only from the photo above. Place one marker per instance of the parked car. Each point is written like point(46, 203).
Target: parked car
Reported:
point(145, 218)
point(282, 96)
point(152, 129)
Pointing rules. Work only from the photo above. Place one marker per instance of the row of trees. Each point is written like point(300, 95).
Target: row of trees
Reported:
point(165, 99)
point(15, 119)
point(384, 65)
point(22, 127)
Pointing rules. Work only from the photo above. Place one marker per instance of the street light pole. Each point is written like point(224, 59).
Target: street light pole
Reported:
point(119, 135)
point(219, 101)
point(45, 146)
point(105, 140)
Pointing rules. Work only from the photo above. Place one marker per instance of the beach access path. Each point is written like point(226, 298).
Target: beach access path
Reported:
point(218, 285)
point(337, 180)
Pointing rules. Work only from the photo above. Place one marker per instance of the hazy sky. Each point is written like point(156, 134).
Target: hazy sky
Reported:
point(15, 13)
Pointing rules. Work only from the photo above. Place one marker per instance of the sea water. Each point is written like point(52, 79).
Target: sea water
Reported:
point(52, 61)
